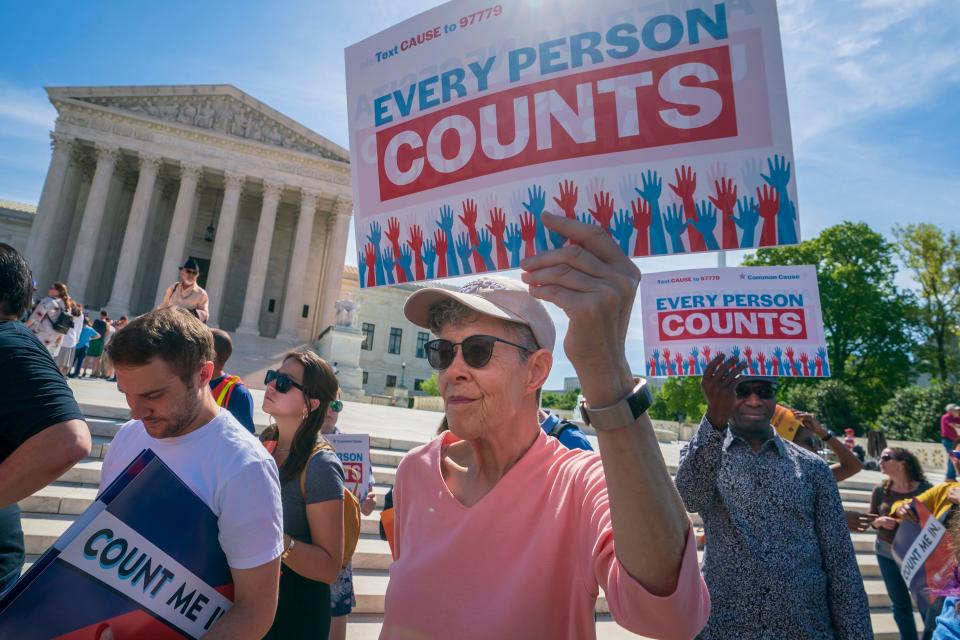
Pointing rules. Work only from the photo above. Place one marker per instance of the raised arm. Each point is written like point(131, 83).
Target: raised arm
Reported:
point(849, 464)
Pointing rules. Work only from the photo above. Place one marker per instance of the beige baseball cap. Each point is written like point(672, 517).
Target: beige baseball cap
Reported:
point(494, 296)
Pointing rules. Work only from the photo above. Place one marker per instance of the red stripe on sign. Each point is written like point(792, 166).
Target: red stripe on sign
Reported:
point(758, 324)
point(686, 97)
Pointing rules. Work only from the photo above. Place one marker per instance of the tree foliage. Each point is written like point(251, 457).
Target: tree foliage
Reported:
point(934, 258)
point(431, 386)
point(913, 413)
point(832, 401)
point(563, 400)
point(679, 399)
point(866, 318)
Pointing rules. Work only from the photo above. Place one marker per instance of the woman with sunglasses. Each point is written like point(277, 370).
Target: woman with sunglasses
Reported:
point(298, 397)
point(941, 500)
point(342, 598)
point(186, 293)
point(905, 480)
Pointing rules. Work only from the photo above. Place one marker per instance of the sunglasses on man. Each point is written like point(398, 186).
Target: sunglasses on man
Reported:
point(476, 351)
point(191, 272)
point(763, 390)
point(283, 383)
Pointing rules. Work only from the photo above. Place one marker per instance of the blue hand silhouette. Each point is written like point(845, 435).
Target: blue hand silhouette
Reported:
point(675, 226)
point(429, 256)
point(652, 185)
point(513, 242)
point(406, 261)
point(464, 250)
point(705, 223)
point(361, 269)
point(485, 248)
point(386, 258)
point(537, 200)
point(748, 220)
point(446, 225)
point(623, 229)
point(779, 178)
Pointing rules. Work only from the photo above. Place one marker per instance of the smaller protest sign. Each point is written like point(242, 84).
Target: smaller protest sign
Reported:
point(768, 317)
point(922, 550)
point(353, 449)
point(122, 567)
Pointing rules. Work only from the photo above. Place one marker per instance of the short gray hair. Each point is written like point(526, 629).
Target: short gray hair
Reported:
point(457, 314)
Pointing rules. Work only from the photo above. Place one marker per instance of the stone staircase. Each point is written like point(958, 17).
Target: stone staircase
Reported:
point(48, 513)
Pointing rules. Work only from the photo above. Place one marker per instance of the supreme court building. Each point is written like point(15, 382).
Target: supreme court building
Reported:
point(142, 178)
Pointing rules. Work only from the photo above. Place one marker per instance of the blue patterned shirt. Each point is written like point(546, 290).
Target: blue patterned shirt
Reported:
point(779, 561)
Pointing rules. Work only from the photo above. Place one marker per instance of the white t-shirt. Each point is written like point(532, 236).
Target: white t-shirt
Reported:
point(229, 469)
point(70, 338)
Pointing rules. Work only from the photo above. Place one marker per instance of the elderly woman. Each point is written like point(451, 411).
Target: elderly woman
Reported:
point(502, 532)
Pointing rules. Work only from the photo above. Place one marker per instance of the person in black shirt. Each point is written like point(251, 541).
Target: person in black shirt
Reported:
point(42, 431)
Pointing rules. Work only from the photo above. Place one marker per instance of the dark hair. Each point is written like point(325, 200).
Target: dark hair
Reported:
point(910, 464)
point(319, 383)
point(172, 334)
point(222, 346)
point(16, 282)
point(62, 290)
point(444, 426)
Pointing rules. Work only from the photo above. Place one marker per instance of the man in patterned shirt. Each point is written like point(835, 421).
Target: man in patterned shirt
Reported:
point(779, 562)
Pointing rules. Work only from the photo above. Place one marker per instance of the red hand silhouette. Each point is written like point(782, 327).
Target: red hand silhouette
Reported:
point(725, 201)
point(685, 189)
point(497, 227)
point(769, 203)
point(370, 258)
point(440, 239)
point(603, 209)
point(568, 198)
point(416, 243)
point(528, 231)
point(469, 220)
point(641, 222)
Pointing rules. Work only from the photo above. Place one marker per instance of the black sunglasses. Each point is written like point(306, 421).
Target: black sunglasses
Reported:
point(281, 381)
point(763, 391)
point(886, 458)
point(191, 272)
point(477, 351)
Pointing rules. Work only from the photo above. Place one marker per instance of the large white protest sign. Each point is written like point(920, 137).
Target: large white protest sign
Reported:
point(768, 317)
point(353, 449)
point(665, 123)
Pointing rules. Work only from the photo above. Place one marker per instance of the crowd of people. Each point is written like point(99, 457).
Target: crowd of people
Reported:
point(505, 525)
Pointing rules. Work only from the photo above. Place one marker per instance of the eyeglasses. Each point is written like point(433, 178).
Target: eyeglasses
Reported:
point(191, 272)
point(336, 406)
point(763, 391)
point(282, 382)
point(886, 458)
point(476, 350)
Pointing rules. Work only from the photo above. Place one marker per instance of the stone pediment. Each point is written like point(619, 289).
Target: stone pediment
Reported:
point(222, 109)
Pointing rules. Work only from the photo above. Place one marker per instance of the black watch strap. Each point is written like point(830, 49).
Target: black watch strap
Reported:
point(620, 414)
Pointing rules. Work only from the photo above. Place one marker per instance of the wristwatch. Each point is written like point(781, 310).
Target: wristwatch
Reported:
point(829, 435)
point(618, 415)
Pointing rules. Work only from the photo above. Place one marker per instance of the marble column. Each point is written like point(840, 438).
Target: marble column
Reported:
point(37, 251)
point(179, 227)
point(338, 229)
point(223, 244)
point(293, 297)
point(131, 248)
point(84, 252)
point(250, 321)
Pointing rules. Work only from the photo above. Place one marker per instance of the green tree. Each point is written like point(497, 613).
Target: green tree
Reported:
point(832, 401)
point(913, 413)
point(564, 400)
point(431, 386)
point(934, 258)
point(679, 399)
point(866, 318)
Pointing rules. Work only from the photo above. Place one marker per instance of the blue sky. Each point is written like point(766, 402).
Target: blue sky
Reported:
point(874, 90)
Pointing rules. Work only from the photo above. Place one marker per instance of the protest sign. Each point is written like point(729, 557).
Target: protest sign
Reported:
point(922, 550)
point(353, 449)
point(768, 317)
point(665, 123)
point(143, 561)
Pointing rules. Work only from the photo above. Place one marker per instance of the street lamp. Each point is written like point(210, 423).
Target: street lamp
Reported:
point(403, 373)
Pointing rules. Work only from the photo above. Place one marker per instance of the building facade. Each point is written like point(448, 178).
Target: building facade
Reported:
point(142, 178)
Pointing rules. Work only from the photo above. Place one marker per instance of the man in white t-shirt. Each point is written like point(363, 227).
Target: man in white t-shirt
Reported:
point(163, 362)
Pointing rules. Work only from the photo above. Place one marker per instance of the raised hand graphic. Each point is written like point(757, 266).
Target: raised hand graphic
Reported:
point(705, 224)
point(536, 201)
point(652, 367)
point(656, 359)
point(678, 358)
point(822, 354)
point(725, 200)
point(374, 238)
point(627, 187)
point(485, 250)
point(497, 227)
point(514, 242)
point(775, 362)
point(685, 189)
point(405, 261)
point(429, 257)
point(779, 177)
point(464, 250)
point(696, 358)
point(623, 230)
point(603, 210)
point(706, 351)
point(393, 235)
point(416, 243)
point(805, 362)
point(748, 353)
point(568, 198)
point(769, 205)
point(762, 359)
point(641, 222)
point(692, 365)
point(446, 225)
point(750, 175)
point(749, 217)
point(789, 360)
point(556, 239)
point(440, 239)
point(818, 366)
point(675, 226)
point(361, 269)
point(371, 257)
point(528, 229)
point(386, 257)
point(735, 352)
point(469, 220)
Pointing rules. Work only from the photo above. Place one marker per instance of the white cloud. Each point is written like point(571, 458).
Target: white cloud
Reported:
point(25, 113)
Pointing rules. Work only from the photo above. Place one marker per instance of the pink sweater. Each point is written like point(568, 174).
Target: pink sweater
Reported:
point(526, 561)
